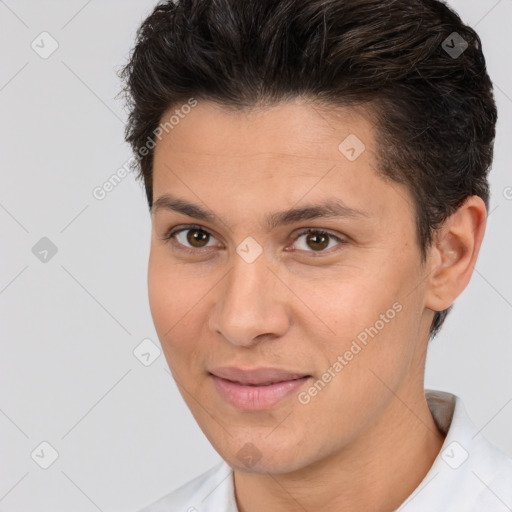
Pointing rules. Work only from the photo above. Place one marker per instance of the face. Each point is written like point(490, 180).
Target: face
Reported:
point(284, 332)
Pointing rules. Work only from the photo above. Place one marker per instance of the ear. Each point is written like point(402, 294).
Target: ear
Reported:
point(453, 254)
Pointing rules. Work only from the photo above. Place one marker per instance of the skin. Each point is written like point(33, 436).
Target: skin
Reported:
point(367, 439)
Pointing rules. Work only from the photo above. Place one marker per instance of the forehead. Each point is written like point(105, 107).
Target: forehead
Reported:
point(297, 129)
point(289, 153)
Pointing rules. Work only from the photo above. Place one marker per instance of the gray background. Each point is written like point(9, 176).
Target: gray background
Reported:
point(69, 325)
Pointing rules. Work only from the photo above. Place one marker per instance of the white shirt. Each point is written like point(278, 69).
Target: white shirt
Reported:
point(469, 474)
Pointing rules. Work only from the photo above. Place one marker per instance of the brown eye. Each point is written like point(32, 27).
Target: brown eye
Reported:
point(190, 238)
point(197, 237)
point(316, 240)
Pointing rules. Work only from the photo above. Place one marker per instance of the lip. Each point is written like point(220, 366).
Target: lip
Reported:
point(256, 376)
point(258, 388)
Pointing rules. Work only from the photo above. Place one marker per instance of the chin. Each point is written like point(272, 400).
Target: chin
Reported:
point(249, 459)
point(265, 468)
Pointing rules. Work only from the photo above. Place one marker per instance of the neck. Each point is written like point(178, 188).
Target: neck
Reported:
point(378, 471)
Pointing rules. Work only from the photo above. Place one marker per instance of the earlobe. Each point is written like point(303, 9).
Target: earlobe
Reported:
point(454, 253)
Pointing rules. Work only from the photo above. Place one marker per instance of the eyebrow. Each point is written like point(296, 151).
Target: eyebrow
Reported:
point(332, 207)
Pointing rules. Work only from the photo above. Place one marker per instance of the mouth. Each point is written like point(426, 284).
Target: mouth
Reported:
point(256, 389)
point(256, 376)
point(262, 383)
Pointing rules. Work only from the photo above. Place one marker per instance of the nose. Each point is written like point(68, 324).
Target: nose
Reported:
point(251, 305)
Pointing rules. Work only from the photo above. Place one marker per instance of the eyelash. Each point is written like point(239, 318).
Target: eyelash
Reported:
point(190, 227)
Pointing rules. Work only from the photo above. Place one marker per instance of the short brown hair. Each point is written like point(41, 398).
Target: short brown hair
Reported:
point(432, 102)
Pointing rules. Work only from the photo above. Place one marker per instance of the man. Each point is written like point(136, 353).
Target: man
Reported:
point(316, 173)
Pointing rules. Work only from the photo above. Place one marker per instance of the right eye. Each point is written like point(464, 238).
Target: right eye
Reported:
point(192, 234)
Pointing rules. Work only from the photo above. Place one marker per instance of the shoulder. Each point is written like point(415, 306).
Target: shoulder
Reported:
point(208, 491)
point(495, 467)
point(470, 474)
point(485, 478)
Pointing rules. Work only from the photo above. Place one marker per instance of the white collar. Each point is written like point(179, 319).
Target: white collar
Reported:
point(469, 474)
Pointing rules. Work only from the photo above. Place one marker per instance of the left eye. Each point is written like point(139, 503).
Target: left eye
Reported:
point(318, 239)
point(196, 237)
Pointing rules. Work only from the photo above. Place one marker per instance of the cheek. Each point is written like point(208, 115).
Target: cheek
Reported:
point(367, 321)
point(168, 292)
point(159, 291)
point(175, 305)
point(166, 299)
point(346, 302)
point(363, 375)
